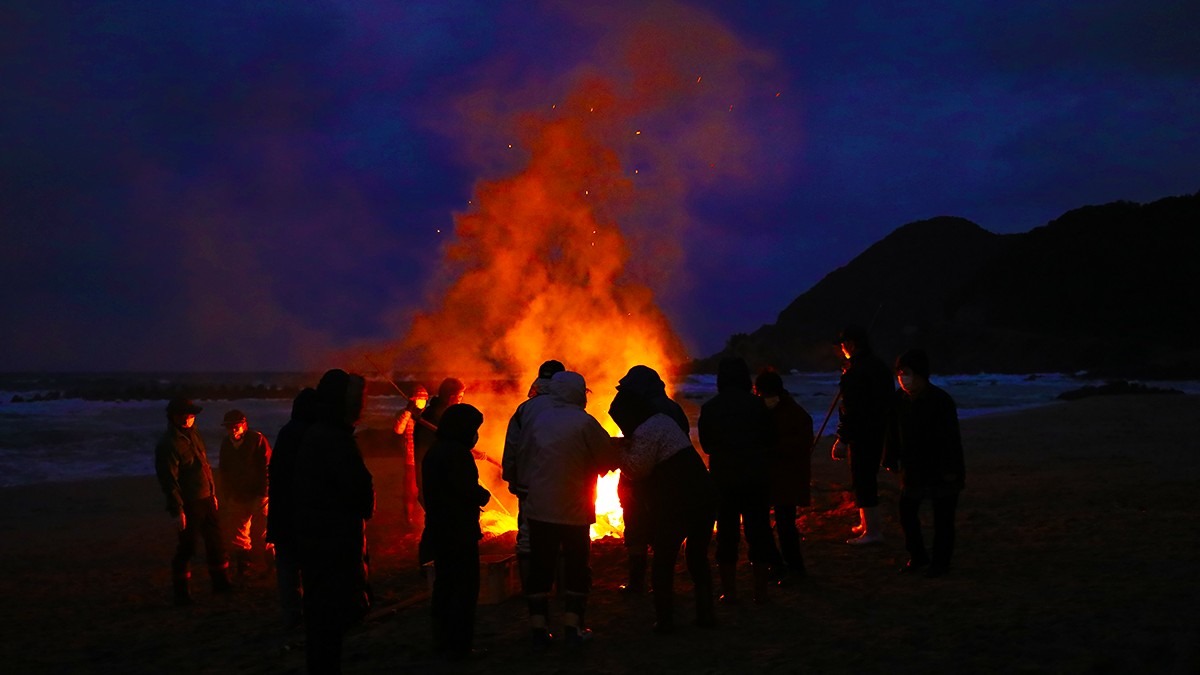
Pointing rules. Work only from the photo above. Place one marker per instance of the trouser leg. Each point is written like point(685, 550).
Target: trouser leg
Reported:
point(789, 536)
point(944, 509)
point(910, 522)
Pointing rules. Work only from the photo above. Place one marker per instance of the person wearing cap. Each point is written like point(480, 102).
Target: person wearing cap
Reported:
point(865, 393)
point(924, 445)
point(790, 469)
point(453, 499)
point(514, 463)
point(335, 496)
point(404, 427)
point(181, 465)
point(568, 451)
point(244, 457)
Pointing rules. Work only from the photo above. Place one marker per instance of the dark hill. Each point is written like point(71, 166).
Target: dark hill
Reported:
point(1109, 289)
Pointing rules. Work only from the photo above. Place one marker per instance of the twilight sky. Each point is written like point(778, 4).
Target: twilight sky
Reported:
point(256, 184)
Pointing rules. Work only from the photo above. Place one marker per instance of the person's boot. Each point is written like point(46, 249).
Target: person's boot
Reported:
point(862, 523)
point(762, 579)
point(637, 575)
point(523, 569)
point(539, 608)
point(241, 563)
point(220, 579)
point(706, 616)
point(179, 587)
point(573, 625)
point(728, 572)
point(874, 532)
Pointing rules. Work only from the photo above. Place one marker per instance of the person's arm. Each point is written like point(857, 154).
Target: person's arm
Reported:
point(166, 468)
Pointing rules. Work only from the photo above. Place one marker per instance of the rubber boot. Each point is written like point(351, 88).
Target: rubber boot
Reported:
point(874, 532)
point(523, 569)
point(637, 575)
point(762, 580)
point(220, 580)
point(179, 585)
point(728, 572)
point(539, 608)
point(706, 616)
point(573, 625)
point(862, 523)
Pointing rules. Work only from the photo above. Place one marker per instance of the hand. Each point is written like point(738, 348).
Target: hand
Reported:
point(840, 450)
point(181, 521)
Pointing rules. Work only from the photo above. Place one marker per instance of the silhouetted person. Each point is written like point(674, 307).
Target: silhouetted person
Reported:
point(514, 462)
point(866, 392)
point(244, 457)
point(450, 392)
point(925, 446)
point(405, 430)
point(282, 514)
point(735, 430)
point(790, 466)
point(570, 450)
point(679, 499)
point(645, 383)
point(335, 496)
point(181, 464)
point(453, 498)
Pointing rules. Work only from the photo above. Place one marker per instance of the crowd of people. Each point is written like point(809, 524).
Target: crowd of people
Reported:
point(750, 472)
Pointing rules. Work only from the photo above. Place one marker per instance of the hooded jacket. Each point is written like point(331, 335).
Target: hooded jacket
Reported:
point(281, 489)
point(181, 464)
point(567, 449)
point(453, 495)
point(512, 464)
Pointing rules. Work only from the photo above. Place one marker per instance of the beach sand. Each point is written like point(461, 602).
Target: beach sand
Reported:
point(1077, 552)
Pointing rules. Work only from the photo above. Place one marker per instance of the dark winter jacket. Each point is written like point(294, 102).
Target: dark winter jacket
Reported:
point(243, 468)
point(644, 381)
point(334, 489)
point(924, 443)
point(791, 456)
point(181, 464)
point(281, 489)
point(735, 431)
point(453, 495)
point(866, 389)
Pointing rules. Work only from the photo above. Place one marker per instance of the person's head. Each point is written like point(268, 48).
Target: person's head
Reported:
point(420, 397)
point(769, 385)
point(451, 391)
point(853, 339)
point(733, 375)
point(304, 406)
point(545, 372)
point(235, 425)
point(629, 410)
point(340, 395)
point(569, 387)
point(912, 371)
point(643, 381)
point(181, 412)
point(460, 423)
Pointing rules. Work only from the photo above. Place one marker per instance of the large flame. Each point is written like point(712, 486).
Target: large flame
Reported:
point(557, 259)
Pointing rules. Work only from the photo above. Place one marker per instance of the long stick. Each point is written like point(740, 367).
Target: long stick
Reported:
point(384, 376)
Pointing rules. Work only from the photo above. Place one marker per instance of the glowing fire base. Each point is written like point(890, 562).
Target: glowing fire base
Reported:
point(499, 578)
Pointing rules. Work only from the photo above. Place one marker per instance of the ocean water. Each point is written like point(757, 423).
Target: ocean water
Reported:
point(68, 439)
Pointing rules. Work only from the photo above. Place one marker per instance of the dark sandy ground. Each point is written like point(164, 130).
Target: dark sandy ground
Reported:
point(1078, 553)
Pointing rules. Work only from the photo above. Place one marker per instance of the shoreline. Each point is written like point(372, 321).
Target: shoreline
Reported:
point(1076, 553)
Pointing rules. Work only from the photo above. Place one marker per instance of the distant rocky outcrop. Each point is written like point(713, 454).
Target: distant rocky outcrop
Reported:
point(1111, 290)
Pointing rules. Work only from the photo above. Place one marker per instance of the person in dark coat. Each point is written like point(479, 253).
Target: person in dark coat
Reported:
point(181, 464)
point(790, 468)
point(281, 516)
point(453, 498)
point(866, 392)
point(335, 496)
point(645, 383)
point(679, 499)
point(450, 392)
point(736, 432)
point(925, 446)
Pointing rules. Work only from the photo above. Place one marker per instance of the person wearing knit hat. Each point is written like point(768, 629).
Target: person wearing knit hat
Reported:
point(406, 422)
point(244, 457)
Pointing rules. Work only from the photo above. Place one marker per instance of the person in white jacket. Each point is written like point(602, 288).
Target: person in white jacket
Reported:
point(567, 449)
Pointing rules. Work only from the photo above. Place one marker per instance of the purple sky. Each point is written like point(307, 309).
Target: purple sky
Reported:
point(250, 185)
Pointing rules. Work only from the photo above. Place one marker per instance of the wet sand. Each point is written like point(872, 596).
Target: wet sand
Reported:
point(1078, 546)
